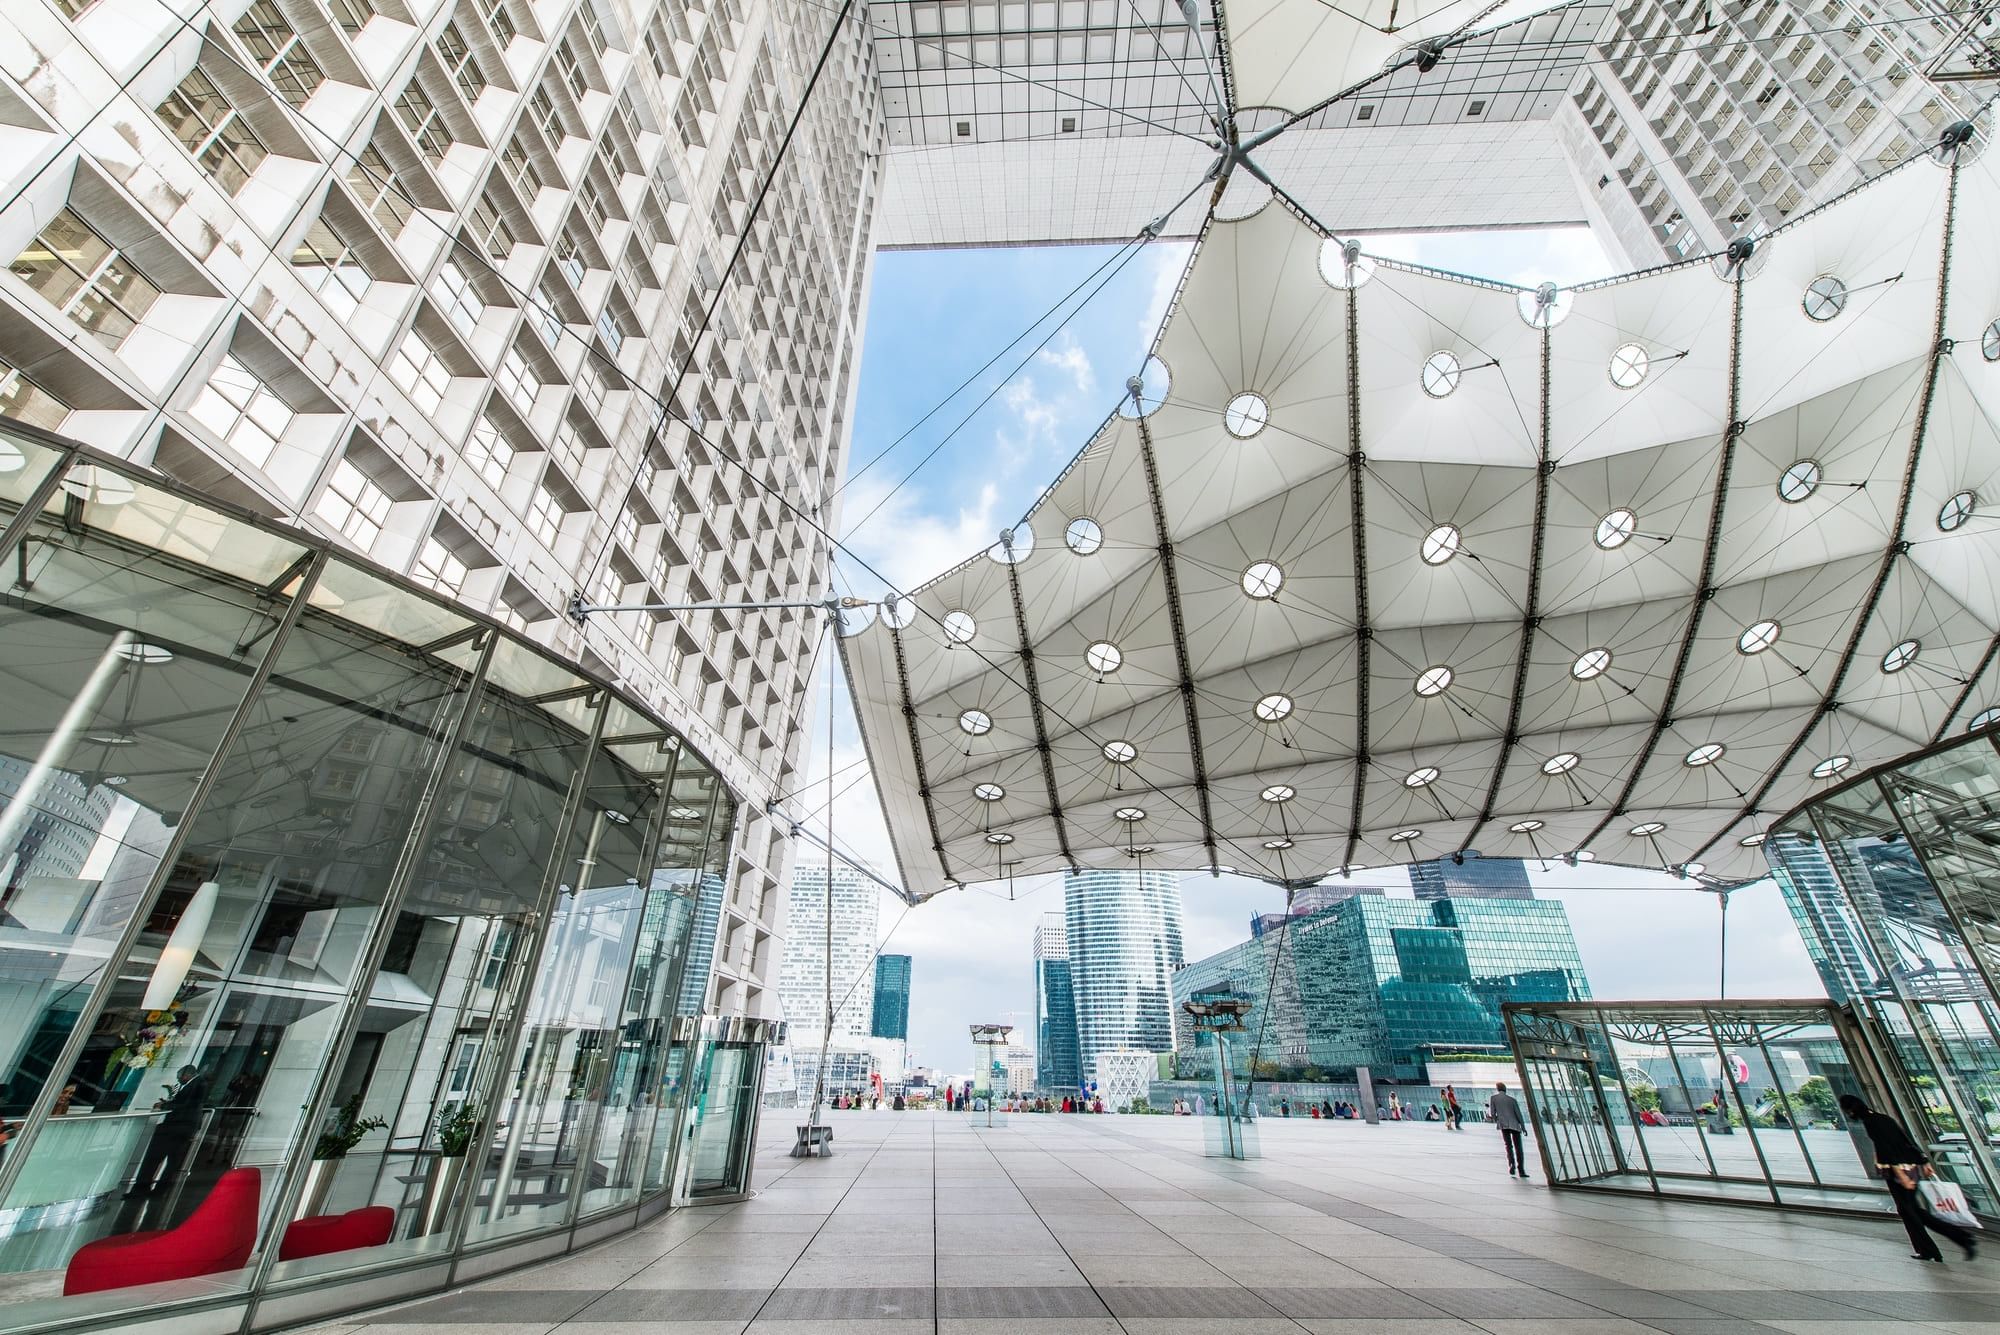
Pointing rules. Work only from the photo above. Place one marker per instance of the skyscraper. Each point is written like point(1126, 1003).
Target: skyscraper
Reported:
point(1825, 916)
point(802, 979)
point(1471, 877)
point(1123, 931)
point(892, 997)
point(1057, 1066)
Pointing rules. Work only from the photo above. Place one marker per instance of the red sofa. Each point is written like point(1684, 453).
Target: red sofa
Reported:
point(218, 1236)
point(316, 1235)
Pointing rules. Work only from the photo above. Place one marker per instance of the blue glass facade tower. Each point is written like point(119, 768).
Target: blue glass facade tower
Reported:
point(1057, 1066)
point(892, 997)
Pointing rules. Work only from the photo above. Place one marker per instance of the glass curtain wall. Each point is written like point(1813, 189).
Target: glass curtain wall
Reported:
point(339, 931)
point(1895, 877)
point(1732, 1101)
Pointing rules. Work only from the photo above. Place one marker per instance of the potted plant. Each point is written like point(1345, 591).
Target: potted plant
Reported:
point(457, 1123)
point(343, 1131)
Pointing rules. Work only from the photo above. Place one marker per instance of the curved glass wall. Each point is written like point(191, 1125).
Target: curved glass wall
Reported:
point(1894, 879)
point(340, 933)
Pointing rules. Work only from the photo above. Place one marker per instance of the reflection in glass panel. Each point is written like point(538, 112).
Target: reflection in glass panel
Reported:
point(265, 921)
point(24, 465)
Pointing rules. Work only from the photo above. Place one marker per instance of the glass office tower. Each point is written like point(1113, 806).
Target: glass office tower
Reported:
point(1123, 930)
point(1057, 1068)
point(892, 997)
point(340, 929)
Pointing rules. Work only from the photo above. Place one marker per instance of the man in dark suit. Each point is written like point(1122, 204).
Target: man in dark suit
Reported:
point(174, 1137)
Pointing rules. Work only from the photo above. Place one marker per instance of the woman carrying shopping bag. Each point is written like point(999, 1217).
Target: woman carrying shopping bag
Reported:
point(1903, 1166)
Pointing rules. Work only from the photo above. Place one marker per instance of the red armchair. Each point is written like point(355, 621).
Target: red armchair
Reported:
point(316, 1235)
point(218, 1236)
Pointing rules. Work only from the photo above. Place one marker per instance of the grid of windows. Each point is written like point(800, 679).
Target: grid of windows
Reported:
point(438, 567)
point(278, 50)
point(241, 410)
point(354, 506)
point(212, 130)
point(421, 373)
point(86, 278)
point(325, 263)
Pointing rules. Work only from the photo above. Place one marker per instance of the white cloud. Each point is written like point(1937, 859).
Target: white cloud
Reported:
point(914, 536)
point(1169, 263)
point(1067, 355)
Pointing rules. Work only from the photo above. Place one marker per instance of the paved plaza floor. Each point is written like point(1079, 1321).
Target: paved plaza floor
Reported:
point(923, 1222)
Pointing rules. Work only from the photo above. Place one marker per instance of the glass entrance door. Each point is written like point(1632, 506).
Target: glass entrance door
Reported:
point(719, 1146)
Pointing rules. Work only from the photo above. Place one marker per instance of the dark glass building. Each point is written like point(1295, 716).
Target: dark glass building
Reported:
point(1469, 876)
point(1385, 982)
point(1058, 1066)
point(892, 997)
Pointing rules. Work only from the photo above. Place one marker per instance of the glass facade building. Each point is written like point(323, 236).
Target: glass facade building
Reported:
point(320, 894)
point(1057, 1067)
point(1469, 876)
point(1123, 932)
point(892, 997)
point(1389, 983)
point(1894, 879)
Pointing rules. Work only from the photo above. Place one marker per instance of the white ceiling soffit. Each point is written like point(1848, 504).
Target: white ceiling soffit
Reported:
point(1553, 604)
point(1291, 55)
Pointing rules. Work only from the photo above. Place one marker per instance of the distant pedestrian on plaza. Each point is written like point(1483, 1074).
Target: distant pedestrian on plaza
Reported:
point(1901, 1163)
point(1454, 1115)
point(1326, 1109)
point(1506, 1115)
point(1284, 1107)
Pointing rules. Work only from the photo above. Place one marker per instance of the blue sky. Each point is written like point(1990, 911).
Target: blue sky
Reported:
point(935, 318)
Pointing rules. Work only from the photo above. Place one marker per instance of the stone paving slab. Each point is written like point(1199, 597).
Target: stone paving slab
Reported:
point(926, 1225)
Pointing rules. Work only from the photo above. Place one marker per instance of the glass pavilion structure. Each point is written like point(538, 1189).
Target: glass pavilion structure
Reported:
point(406, 900)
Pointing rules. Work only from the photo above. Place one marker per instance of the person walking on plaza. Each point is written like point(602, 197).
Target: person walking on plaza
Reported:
point(1901, 1164)
point(1506, 1115)
point(1454, 1115)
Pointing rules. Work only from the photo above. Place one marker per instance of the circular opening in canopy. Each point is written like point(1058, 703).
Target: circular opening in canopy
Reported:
point(1422, 777)
point(1103, 657)
point(1263, 580)
point(12, 460)
point(1591, 663)
point(1246, 415)
point(1954, 512)
point(999, 837)
point(1900, 655)
point(1989, 342)
point(1705, 754)
point(1273, 707)
point(1277, 845)
point(1826, 297)
point(1441, 544)
point(1342, 265)
point(1799, 481)
point(1404, 836)
point(141, 651)
point(1629, 364)
point(975, 722)
point(959, 627)
point(1751, 840)
point(1120, 752)
point(1646, 829)
point(1561, 763)
point(1441, 373)
point(989, 792)
point(1615, 529)
point(1433, 680)
point(1130, 815)
point(1525, 826)
point(1279, 792)
point(1831, 766)
point(1014, 546)
point(1154, 382)
point(1545, 306)
point(1083, 536)
point(1757, 637)
point(1985, 718)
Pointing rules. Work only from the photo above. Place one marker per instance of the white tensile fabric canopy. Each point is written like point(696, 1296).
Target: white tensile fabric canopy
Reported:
point(1384, 564)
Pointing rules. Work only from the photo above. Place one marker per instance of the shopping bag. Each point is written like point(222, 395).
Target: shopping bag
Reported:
point(1948, 1202)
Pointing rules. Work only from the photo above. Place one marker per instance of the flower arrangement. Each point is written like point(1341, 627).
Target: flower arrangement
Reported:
point(345, 1129)
point(161, 1030)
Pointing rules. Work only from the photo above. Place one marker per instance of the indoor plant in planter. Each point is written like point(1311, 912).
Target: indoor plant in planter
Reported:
point(344, 1130)
point(456, 1125)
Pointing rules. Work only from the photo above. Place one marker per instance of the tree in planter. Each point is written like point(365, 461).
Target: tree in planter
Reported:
point(1646, 1098)
point(345, 1129)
